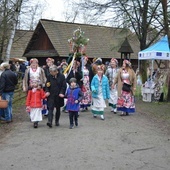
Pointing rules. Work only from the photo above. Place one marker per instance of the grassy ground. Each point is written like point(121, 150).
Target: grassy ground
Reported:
point(158, 110)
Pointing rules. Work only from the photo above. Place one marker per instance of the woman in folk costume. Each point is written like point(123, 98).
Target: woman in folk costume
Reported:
point(34, 72)
point(96, 62)
point(100, 92)
point(86, 100)
point(126, 81)
point(111, 73)
point(34, 102)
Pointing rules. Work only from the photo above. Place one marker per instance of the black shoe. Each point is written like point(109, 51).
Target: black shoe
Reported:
point(71, 126)
point(49, 124)
point(127, 114)
point(76, 123)
point(35, 125)
point(57, 124)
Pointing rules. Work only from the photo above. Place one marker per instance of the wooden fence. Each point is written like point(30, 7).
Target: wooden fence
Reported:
point(18, 93)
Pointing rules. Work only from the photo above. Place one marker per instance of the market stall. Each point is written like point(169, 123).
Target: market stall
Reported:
point(158, 51)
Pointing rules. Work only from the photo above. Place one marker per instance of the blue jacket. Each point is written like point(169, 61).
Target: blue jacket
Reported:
point(105, 87)
point(72, 95)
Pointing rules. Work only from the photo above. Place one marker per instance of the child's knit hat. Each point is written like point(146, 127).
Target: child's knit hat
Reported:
point(73, 80)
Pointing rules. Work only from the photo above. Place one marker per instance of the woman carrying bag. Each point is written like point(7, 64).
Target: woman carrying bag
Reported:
point(126, 80)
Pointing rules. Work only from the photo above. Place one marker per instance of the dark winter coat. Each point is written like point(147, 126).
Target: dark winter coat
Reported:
point(8, 81)
point(56, 85)
point(77, 75)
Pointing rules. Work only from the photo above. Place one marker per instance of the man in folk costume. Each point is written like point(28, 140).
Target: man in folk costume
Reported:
point(111, 73)
point(100, 92)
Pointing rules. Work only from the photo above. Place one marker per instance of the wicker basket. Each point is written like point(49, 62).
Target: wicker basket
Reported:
point(3, 104)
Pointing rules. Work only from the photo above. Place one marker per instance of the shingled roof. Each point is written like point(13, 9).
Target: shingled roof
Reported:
point(104, 41)
point(125, 47)
point(21, 40)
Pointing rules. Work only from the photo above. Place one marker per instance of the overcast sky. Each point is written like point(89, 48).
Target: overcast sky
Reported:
point(54, 10)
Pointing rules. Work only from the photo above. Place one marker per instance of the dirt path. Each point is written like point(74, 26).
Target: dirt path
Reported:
point(117, 143)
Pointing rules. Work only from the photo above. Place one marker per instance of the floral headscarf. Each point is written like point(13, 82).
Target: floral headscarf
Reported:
point(113, 59)
point(50, 59)
point(127, 62)
point(33, 59)
point(101, 67)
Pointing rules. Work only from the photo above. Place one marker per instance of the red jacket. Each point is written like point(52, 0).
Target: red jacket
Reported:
point(34, 99)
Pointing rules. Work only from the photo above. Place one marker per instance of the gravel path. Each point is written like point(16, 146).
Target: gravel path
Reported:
point(117, 143)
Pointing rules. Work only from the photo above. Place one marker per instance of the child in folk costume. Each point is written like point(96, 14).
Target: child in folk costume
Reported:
point(100, 92)
point(111, 73)
point(74, 96)
point(34, 102)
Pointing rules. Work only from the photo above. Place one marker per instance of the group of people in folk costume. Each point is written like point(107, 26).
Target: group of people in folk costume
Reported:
point(85, 85)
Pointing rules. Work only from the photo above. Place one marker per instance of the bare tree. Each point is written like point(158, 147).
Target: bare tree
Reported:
point(14, 21)
point(31, 13)
point(14, 14)
point(149, 19)
point(3, 26)
point(167, 31)
point(144, 17)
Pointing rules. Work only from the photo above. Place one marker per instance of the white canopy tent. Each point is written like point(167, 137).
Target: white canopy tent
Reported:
point(158, 51)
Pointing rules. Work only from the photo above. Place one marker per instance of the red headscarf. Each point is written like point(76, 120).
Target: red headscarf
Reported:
point(33, 59)
point(127, 62)
point(113, 59)
point(50, 59)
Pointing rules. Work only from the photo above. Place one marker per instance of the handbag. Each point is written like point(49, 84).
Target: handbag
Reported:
point(3, 104)
point(126, 87)
point(120, 101)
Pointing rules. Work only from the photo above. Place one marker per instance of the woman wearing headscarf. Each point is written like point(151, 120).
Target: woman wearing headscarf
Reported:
point(111, 73)
point(100, 92)
point(34, 72)
point(86, 79)
point(126, 83)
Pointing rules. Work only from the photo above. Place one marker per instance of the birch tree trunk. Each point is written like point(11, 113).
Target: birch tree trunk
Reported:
point(167, 32)
point(14, 26)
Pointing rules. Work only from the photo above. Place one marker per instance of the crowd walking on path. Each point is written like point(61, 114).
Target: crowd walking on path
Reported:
point(86, 85)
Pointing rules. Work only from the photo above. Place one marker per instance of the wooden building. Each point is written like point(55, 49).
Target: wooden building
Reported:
point(21, 39)
point(50, 39)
